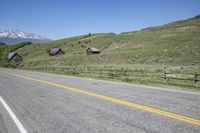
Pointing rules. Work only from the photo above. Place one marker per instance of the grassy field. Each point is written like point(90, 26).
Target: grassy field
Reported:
point(174, 47)
point(1, 54)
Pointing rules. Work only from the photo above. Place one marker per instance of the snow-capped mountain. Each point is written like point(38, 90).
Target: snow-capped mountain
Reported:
point(16, 36)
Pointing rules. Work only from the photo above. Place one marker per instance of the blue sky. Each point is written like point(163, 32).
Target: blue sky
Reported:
point(58, 19)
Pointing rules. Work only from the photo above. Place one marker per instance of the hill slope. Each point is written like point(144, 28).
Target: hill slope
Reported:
point(176, 44)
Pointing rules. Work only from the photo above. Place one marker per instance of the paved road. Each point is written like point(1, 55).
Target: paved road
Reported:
point(54, 103)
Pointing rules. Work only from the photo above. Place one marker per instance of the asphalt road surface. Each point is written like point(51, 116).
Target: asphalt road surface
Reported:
point(48, 103)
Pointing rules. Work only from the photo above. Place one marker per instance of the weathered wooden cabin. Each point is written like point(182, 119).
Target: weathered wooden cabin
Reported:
point(56, 51)
point(92, 51)
point(14, 57)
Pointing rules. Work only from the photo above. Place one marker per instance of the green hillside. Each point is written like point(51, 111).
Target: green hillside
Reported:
point(172, 47)
point(2, 47)
point(174, 44)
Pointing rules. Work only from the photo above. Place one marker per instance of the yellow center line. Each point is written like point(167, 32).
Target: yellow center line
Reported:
point(115, 100)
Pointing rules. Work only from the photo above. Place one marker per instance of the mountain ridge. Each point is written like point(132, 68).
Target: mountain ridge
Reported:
point(16, 36)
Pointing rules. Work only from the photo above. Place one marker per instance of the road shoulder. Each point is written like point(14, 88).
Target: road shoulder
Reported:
point(7, 125)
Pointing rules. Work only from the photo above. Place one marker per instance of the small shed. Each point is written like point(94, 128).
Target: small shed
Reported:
point(92, 51)
point(14, 57)
point(56, 51)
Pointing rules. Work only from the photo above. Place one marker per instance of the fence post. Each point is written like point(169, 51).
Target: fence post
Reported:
point(53, 68)
point(111, 74)
point(165, 77)
point(142, 75)
point(100, 73)
point(88, 70)
point(125, 73)
point(195, 78)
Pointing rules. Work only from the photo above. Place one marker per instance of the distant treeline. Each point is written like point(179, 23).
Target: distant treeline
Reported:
point(2, 44)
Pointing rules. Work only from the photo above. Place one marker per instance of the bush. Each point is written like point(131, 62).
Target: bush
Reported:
point(48, 50)
point(198, 16)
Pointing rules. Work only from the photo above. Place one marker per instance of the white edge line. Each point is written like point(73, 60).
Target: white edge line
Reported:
point(13, 116)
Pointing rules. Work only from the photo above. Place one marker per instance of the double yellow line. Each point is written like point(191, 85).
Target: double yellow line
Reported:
point(115, 100)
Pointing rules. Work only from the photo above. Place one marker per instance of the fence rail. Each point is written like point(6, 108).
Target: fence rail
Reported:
point(173, 78)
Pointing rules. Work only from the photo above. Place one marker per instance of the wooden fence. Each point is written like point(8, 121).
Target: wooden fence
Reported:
point(173, 78)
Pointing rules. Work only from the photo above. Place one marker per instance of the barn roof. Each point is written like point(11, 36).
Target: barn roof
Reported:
point(11, 55)
point(94, 49)
point(55, 50)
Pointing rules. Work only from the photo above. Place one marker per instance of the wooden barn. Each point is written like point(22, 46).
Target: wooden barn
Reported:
point(14, 57)
point(56, 51)
point(92, 51)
